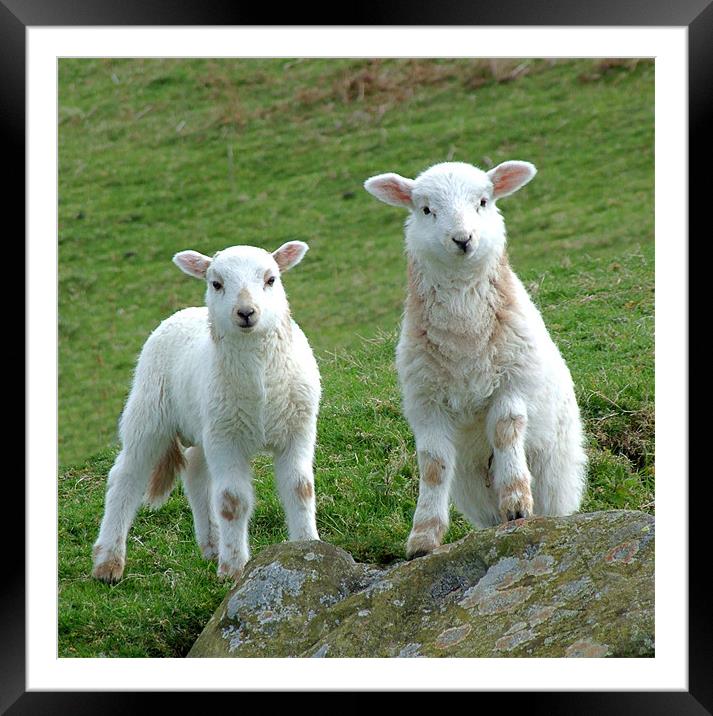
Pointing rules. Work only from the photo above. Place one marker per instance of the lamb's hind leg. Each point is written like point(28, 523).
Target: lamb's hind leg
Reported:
point(558, 475)
point(472, 489)
point(196, 481)
point(126, 487)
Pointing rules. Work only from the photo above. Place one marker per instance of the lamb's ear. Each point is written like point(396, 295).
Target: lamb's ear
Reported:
point(192, 263)
point(290, 254)
point(391, 189)
point(508, 177)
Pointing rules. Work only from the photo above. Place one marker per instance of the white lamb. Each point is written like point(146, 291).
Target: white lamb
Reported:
point(487, 394)
point(230, 379)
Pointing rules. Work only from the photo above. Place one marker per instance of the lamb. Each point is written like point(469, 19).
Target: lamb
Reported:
point(228, 380)
point(485, 390)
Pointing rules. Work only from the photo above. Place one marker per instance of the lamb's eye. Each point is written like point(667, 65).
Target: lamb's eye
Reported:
point(426, 210)
point(217, 285)
point(270, 281)
point(483, 202)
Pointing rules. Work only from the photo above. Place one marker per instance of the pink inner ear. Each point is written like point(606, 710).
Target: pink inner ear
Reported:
point(396, 191)
point(287, 256)
point(508, 179)
point(195, 263)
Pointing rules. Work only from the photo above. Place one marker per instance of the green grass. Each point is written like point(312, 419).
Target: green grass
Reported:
point(158, 156)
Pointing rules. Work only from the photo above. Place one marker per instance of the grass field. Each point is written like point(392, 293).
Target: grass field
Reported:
point(158, 156)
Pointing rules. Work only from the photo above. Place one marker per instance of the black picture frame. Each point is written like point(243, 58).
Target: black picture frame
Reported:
point(696, 15)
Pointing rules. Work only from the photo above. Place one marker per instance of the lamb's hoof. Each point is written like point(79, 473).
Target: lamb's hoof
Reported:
point(420, 545)
point(209, 551)
point(228, 572)
point(516, 502)
point(110, 569)
point(515, 515)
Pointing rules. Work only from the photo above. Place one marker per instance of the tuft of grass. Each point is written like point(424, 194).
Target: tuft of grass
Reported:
point(156, 156)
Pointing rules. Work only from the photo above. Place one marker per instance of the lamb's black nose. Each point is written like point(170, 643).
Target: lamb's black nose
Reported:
point(462, 243)
point(245, 313)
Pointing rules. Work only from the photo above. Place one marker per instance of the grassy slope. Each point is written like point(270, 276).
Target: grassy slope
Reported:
point(157, 156)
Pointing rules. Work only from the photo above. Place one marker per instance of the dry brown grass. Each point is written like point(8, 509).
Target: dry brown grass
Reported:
point(630, 434)
point(380, 82)
point(373, 86)
point(607, 65)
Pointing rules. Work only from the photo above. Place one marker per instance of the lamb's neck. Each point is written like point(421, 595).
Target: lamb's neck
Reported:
point(473, 307)
point(448, 285)
point(254, 351)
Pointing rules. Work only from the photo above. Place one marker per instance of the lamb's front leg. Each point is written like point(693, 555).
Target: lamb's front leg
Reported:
point(506, 428)
point(436, 458)
point(232, 493)
point(295, 482)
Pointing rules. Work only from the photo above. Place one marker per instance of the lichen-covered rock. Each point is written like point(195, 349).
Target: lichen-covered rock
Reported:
point(282, 604)
point(579, 586)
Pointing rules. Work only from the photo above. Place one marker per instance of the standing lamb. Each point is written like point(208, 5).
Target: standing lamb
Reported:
point(230, 379)
point(487, 394)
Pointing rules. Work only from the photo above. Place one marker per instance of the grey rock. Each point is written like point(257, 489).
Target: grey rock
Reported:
point(578, 586)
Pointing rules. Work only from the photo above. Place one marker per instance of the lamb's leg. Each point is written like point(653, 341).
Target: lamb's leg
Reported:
point(471, 490)
point(436, 458)
point(506, 427)
point(126, 486)
point(232, 492)
point(196, 481)
point(295, 482)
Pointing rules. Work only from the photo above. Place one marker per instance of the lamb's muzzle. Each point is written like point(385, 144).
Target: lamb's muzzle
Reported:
point(246, 316)
point(463, 242)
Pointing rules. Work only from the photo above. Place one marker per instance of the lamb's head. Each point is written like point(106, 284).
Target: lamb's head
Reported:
point(244, 293)
point(454, 219)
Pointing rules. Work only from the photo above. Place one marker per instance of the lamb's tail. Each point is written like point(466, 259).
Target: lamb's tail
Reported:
point(163, 477)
